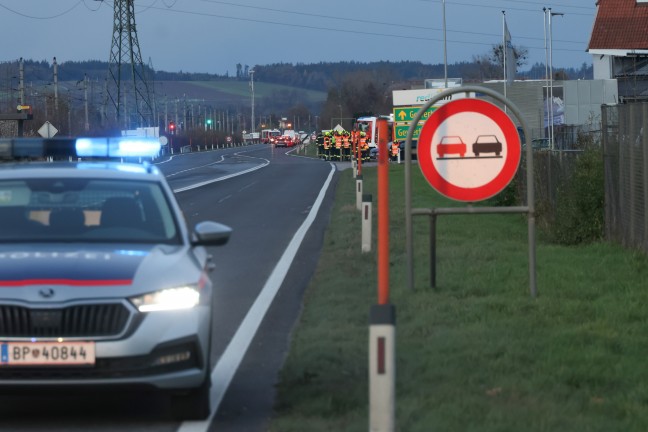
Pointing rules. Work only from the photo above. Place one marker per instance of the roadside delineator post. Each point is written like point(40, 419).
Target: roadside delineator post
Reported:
point(382, 317)
point(359, 191)
point(366, 222)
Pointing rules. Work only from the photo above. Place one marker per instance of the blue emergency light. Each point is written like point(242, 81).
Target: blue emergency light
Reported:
point(118, 147)
point(111, 147)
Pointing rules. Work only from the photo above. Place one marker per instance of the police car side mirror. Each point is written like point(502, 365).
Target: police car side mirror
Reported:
point(210, 233)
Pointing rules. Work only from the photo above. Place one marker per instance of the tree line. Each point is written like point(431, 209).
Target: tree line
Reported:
point(353, 88)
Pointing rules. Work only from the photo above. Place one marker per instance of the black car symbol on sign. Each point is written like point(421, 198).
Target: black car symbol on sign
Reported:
point(487, 144)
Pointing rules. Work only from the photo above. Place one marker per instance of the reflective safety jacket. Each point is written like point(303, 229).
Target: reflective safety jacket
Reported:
point(363, 143)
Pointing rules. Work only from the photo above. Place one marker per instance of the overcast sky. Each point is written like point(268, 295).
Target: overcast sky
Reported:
point(213, 36)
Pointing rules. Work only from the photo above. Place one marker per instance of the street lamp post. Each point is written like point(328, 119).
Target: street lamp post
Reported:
point(546, 95)
point(551, 117)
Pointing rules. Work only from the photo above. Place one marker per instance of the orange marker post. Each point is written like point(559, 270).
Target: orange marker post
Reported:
point(382, 318)
point(383, 211)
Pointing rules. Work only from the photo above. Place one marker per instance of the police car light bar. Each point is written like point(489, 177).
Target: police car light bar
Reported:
point(118, 147)
point(113, 147)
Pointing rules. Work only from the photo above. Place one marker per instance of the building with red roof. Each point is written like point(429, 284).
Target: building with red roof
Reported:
point(619, 46)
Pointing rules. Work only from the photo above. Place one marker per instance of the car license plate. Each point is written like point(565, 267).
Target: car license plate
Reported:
point(47, 353)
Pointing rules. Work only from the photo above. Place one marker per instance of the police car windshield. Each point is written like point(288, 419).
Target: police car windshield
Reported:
point(85, 210)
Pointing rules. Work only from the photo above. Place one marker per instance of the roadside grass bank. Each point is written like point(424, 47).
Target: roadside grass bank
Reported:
point(476, 353)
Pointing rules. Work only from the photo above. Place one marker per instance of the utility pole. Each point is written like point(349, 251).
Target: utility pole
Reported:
point(21, 85)
point(85, 101)
point(252, 89)
point(56, 87)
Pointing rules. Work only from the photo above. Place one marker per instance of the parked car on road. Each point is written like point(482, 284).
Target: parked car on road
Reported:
point(283, 141)
point(414, 149)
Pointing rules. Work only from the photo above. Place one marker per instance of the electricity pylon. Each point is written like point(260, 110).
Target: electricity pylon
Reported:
point(127, 86)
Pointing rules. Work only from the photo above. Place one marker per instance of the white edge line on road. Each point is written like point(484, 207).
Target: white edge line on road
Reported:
point(229, 362)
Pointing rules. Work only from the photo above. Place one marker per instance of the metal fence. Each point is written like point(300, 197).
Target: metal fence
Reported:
point(625, 157)
point(553, 169)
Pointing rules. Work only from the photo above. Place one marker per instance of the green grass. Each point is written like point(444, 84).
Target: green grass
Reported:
point(477, 353)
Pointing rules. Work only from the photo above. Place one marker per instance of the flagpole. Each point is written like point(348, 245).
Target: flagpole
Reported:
point(504, 50)
point(445, 48)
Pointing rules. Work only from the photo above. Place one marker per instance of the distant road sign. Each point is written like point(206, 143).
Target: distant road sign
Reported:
point(469, 150)
point(47, 130)
point(400, 131)
point(420, 96)
point(407, 113)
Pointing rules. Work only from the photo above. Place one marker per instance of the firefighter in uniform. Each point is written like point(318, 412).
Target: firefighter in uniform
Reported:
point(327, 145)
point(346, 144)
point(355, 135)
point(319, 140)
point(338, 146)
point(395, 148)
point(364, 147)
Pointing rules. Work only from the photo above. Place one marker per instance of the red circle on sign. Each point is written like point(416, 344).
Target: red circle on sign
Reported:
point(490, 188)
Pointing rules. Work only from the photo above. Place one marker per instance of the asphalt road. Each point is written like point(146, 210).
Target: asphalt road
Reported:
point(278, 206)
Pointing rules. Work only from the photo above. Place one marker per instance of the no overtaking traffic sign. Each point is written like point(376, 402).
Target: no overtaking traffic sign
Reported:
point(469, 150)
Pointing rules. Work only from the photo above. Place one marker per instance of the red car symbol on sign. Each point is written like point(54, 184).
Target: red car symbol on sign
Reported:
point(451, 145)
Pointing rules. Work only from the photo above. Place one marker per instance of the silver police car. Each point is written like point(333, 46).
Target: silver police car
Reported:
point(101, 280)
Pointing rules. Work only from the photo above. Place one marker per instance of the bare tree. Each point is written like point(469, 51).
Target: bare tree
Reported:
point(496, 55)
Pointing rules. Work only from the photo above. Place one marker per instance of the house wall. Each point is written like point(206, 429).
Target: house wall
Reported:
point(602, 65)
point(582, 100)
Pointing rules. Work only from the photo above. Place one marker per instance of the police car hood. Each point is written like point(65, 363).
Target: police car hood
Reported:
point(88, 271)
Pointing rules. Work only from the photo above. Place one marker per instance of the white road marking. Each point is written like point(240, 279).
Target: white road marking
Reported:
point(222, 158)
point(225, 177)
point(229, 362)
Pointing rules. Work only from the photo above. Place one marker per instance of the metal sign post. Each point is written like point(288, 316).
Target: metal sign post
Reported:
point(443, 158)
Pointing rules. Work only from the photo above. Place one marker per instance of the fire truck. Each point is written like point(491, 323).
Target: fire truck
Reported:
point(269, 136)
point(368, 125)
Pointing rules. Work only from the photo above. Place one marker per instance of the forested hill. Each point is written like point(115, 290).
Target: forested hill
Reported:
point(323, 76)
point(320, 76)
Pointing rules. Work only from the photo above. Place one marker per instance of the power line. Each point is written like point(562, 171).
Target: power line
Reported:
point(409, 26)
point(42, 18)
point(170, 8)
point(328, 29)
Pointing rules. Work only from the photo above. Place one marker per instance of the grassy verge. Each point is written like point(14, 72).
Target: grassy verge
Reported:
point(477, 353)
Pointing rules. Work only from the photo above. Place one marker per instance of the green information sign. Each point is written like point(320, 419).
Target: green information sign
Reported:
point(400, 130)
point(407, 113)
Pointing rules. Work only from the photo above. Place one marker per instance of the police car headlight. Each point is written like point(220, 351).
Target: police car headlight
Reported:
point(168, 299)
